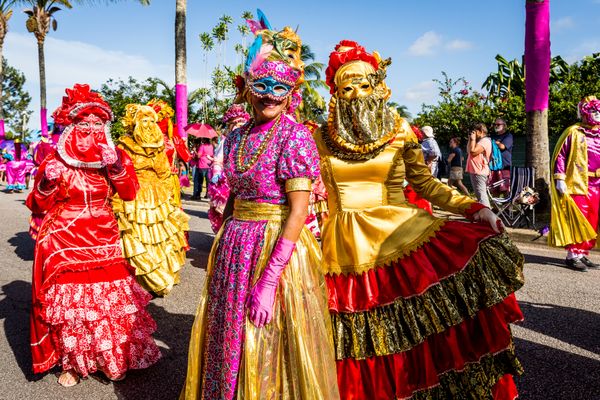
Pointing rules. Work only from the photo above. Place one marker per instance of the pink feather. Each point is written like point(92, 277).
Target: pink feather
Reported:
point(254, 26)
point(264, 53)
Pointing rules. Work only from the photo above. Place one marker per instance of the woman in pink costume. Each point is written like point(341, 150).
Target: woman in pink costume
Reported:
point(88, 312)
point(576, 187)
point(218, 190)
point(261, 329)
point(16, 167)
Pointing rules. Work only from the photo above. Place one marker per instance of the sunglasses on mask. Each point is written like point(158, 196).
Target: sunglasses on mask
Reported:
point(269, 86)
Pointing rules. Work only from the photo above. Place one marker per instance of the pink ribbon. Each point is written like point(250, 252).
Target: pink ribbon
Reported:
point(537, 55)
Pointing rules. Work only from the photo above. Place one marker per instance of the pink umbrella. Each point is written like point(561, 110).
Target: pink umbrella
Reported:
point(201, 131)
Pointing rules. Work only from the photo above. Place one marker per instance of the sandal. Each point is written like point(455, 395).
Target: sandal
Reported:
point(68, 379)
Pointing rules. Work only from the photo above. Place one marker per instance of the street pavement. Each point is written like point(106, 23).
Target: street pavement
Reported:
point(558, 343)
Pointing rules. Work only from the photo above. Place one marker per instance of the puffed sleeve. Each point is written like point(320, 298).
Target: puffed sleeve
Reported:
point(560, 166)
point(44, 194)
point(299, 160)
point(420, 178)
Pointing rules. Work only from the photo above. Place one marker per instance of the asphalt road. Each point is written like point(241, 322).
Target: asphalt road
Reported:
point(558, 343)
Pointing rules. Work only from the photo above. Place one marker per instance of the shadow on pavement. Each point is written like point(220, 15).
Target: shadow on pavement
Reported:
point(570, 325)
point(548, 261)
point(15, 309)
point(24, 245)
point(553, 374)
point(165, 379)
point(200, 242)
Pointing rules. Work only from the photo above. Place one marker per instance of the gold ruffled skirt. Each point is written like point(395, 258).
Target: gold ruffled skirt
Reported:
point(292, 357)
point(153, 236)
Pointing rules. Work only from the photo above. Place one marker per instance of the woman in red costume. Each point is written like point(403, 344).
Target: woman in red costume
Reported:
point(88, 312)
point(420, 306)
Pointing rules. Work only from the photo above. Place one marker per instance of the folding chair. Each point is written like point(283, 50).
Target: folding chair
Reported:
point(510, 209)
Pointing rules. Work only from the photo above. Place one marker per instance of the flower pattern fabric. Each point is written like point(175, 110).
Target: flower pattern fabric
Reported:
point(290, 154)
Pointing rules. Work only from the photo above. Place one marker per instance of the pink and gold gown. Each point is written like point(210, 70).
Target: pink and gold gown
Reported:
point(292, 357)
point(88, 312)
point(420, 306)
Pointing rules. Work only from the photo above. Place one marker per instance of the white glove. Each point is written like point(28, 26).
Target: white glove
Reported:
point(487, 215)
point(561, 186)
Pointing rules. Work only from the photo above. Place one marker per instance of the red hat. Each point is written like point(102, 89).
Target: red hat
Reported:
point(339, 58)
point(80, 101)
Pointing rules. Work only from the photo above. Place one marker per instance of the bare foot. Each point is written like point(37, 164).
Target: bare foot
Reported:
point(68, 379)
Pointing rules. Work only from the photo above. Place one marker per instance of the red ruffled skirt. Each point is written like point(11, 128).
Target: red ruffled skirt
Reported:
point(97, 320)
point(433, 324)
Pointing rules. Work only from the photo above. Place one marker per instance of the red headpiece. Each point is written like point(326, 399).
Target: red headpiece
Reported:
point(81, 101)
point(339, 58)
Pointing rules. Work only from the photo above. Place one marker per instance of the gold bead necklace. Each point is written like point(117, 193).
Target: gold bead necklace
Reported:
point(239, 160)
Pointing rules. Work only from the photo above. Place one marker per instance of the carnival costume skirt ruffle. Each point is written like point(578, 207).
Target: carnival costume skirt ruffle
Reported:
point(290, 358)
point(98, 321)
point(432, 324)
point(153, 236)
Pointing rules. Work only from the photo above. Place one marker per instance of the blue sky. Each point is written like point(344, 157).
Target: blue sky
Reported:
point(95, 43)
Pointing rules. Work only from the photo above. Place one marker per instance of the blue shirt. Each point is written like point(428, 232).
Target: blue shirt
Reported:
point(507, 141)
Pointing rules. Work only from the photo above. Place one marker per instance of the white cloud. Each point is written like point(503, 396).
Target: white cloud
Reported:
point(422, 92)
point(426, 44)
point(431, 42)
point(563, 23)
point(458, 45)
point(70, 62)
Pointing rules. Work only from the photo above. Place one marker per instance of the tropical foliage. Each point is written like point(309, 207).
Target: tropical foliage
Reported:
point(504, 96)
point(15, 106)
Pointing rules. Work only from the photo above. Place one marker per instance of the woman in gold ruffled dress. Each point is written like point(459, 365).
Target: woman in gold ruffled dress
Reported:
point(152, 229)
point(420, 306)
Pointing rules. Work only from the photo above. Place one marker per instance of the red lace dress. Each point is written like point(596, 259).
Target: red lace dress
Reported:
point(88, 312)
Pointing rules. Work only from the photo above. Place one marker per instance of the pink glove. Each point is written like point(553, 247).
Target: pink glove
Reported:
point(262, 296)
point(109, 155)
point(54, 169)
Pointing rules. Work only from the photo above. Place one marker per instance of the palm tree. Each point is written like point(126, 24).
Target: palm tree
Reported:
point(401, 109)
point(537, 61)
point(313, 104)
point(41, 18)
point(181, 104)
point(5, 14)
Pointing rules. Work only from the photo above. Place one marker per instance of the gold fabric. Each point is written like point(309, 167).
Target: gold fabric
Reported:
point(292, 357)
point(567, 223)
point(493, 273)
point(298, 185)
point(152, 229)
point(370, 222)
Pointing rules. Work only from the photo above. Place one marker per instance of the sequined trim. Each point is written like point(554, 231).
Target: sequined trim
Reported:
point(298, 185)
point(76, 163)
point(346, 150)
point(477, 379)
point(492, 274)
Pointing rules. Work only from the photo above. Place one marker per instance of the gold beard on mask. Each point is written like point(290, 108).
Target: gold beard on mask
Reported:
point(359, 129)
point(149, 137)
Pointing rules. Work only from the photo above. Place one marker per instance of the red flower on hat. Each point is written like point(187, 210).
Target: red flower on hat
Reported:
point(78, 101)
point(339, 58)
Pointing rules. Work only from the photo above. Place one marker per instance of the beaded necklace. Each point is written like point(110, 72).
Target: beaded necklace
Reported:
point(239, 160)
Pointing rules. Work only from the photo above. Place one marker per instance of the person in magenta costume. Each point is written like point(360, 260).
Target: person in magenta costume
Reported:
point(88, 312)
point(218, 189)
point(16, 167)
point(262, 330)
point(576, 187)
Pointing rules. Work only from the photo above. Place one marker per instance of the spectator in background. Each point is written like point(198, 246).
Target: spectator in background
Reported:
point(431, 150)
point(455, 161)
point(204, 156)
point(504, 140)
point(479, 149)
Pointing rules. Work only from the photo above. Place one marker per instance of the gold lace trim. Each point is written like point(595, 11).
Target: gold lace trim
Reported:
point(298, 185)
